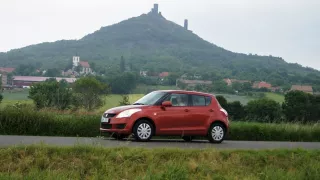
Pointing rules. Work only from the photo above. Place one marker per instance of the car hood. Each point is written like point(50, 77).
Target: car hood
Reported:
point(119, 109)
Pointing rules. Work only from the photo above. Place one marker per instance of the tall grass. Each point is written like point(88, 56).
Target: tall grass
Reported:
point(83, 162)
point(26, 121)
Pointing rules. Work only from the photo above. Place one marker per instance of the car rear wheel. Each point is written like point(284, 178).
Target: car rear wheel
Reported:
point(143, 130)
point(216, 133)
point(187, 138)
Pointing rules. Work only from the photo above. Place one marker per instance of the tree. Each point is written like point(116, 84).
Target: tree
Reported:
point(89, 92)
point(263, 110)
point(123, 83)
point(1, 97)
point(122, 64)
point(222, 101)
point(51, 94)
point(300, 106)
point(124, 101)
point(54, 72)
point(236, 110)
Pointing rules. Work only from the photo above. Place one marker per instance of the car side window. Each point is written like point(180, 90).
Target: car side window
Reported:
point(178, 99)
point(208, 100)
point(198, 100)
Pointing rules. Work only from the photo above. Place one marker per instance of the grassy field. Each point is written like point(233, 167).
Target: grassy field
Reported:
point(111, 100)
point(276, 97)
point(231, 98)
point(95, 162)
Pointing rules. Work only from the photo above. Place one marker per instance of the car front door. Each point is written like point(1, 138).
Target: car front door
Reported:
point(172, 120)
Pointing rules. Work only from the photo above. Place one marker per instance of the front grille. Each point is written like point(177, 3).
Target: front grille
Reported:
point(121, 126)
point(106, 115)
point(106, 126)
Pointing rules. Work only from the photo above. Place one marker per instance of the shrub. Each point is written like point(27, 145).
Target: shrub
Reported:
point(88, 92)
point(22, 120)
point(51, 94)
point(236, 110)
point(222, 101)
point(124, 101)
point(263, 110)
point(300, 106)
point(1, 97)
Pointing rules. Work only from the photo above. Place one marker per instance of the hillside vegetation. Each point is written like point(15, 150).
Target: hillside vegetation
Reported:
point(151, 42)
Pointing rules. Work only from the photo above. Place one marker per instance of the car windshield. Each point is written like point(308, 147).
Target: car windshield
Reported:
point(150, 98)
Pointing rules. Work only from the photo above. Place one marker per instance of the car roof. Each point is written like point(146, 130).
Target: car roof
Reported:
point(187, 92)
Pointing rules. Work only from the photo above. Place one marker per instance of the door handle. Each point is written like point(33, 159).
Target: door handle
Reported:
point(186, 110)
point(211, 110)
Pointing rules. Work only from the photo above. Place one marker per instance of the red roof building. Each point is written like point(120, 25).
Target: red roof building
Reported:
point(29, 80)
point(164, 74)
point(262, 84)
point(84, 64)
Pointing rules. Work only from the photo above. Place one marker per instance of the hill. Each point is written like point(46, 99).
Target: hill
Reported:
point(152, 42)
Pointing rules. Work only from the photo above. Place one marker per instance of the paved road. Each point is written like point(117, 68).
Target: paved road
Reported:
point(69, 141)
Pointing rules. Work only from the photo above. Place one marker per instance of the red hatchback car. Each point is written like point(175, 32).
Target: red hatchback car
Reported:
point(169, 112)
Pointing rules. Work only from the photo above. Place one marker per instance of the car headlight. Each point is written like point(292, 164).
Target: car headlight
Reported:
point(127, 113)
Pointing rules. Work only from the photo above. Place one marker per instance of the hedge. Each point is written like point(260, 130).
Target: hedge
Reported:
point(26, 121)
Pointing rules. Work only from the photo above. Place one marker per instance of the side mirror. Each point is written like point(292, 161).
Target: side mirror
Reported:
point(166, 104)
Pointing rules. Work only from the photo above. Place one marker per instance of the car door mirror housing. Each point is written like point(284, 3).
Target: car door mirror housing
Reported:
point(166, 104)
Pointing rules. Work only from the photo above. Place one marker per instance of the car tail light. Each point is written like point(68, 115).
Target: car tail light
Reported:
point(224, 112)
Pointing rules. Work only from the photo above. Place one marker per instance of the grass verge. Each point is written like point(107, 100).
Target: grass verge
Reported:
point(25, 121)
point(83, 162)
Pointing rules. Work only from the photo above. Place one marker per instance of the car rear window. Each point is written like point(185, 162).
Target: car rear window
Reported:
point(198, 100)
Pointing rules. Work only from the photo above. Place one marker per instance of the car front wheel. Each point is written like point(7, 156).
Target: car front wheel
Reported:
point(143, 130)
point(216, 133)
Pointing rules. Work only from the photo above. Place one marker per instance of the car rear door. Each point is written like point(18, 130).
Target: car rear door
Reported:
point(200, 112)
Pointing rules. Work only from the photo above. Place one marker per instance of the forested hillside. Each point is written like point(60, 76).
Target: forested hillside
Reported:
point(151, 42)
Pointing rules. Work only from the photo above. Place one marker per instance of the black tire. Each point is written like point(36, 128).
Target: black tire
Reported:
point(187, 138)
point(118, 136)
point(147, 130)
point(220, 134)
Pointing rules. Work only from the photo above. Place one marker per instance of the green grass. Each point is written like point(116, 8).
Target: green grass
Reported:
point(243, 99)
point(276, 97)
point(95, 162)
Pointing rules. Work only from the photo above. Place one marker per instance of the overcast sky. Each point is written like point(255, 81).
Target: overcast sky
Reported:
point(284, 28)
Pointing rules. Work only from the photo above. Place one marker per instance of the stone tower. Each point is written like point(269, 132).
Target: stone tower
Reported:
point(155, 8)
point(186, 24)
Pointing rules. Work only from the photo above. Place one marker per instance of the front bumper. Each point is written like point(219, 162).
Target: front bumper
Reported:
point(116, 125)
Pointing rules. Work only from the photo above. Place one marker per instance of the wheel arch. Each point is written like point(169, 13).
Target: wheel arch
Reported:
point(147, 119)
point(219, 122)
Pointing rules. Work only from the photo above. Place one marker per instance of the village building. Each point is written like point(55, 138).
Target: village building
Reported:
point(230, 81)
point(26, 81)
point(4, 75)
point(193, 83)
point(306, 89)
point(84, 65)
point(262, 84)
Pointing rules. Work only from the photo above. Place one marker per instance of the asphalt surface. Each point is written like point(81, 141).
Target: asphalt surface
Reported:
point(6, 141)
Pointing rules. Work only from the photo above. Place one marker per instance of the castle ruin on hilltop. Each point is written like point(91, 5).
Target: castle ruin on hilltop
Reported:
point(155, 11)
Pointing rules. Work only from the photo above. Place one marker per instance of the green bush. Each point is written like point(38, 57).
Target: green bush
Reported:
point(19, 120)
point(26, 121)
point(263, 110)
